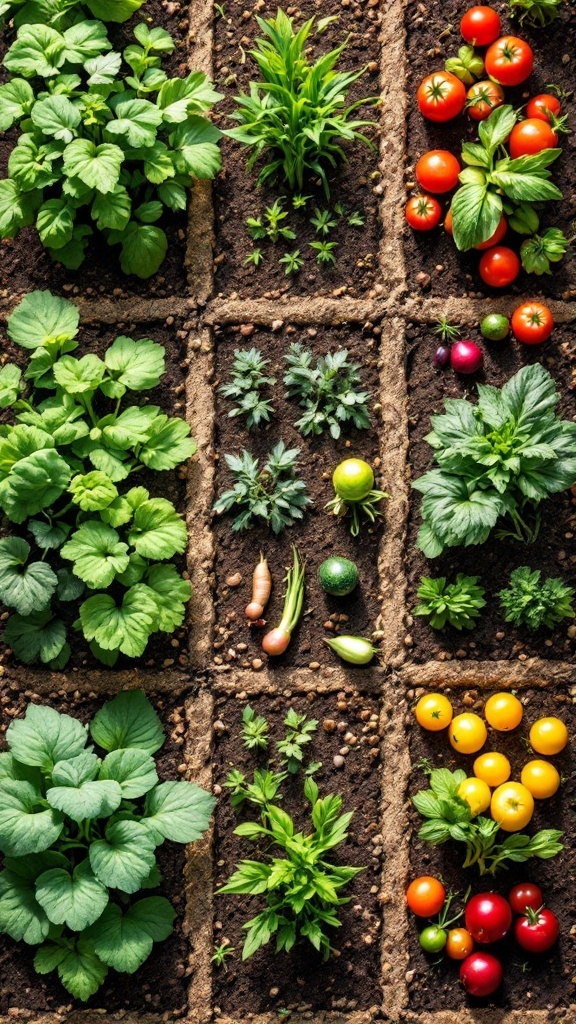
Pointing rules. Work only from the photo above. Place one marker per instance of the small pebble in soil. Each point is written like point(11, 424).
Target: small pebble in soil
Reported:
point(338, 761)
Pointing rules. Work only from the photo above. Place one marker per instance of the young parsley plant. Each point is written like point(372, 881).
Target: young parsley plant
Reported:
point(532, 602)
point(329, 391)
point(457, 604)
point(247, 378)
point(273, 494)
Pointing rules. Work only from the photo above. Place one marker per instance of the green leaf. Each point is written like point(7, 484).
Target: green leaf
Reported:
point(125, 941)
point(128, 720)
point(27, 588)
point(113, 209)
point(173, 195)
point(155, 39)
point(97, 166)
point(78, 376)
point(45, 736)
point(137, 120)
point(98, 799)
point(79, 969)
point(46, 534)
point(38, 50)
point(76, 899)
point(69, 586)
point(55, 223)
point(158, 531)
point(76, 770)
point(85, 40)
point(125, 858)
point(180, 97)
point(92, 491)
point(103, 70)
point(21, 916)
point(38, 635)
point(158, 164)
point(10, 385)
point(17, 208)
point(526, 187)
point(130, 428)
point(98, 554)
point(56, 116)
point(43, 319)
point(179, 811)
point(25, 825)
point(168, 444)
point(195, 142)
point(125, 628)
point(144, 248)
point(134, 770)
point(33, 483)
point(114, 10)
point(16, 99)
point(476, 213)
point(496, 128)
point(135, 365)
point(172, 593)
point(150, 212)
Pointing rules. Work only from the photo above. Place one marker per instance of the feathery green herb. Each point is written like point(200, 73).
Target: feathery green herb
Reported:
point(532, 602)
point(247, 379)
point(273, 494)
point(457, 604)
point(328, 390)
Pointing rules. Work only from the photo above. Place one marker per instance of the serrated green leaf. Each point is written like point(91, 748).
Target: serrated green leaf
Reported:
point(112, 209)
point(38, 635)
point(92, 491)
point(56, 116)
point(92, 799)
point(78, 376)
point(97, 166)
point(37, 50)
point(10, 385)
point(16, 99)
point(27, 588)
point(136, 365)
point(172, 594)
point(124, 628)
point(55, 223)
point(157, 531)
point(79, 969)
point(133, 769)
point(137, 120)
point(85, 40)
point(76, 899)
point(168, 444)
point(125, 858)
point(98, 554)
point(43, 319)
point(179, 811)
point(125, 941)
point(45, 736)
point(25, 825)
point(195, 143)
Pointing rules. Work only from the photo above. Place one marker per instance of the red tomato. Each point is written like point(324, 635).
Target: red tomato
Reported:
point(437, 171)
point(532, 323)
point(441, 96)
point(480, 26)
point(496, 237)
point(482, 98)
point(544, 105)
point(499, 266)
point(425, 896)
point(509, 61)
point(488, 917)
point(481, 974)
point(524, 895)
point(423, 213)
point(537, 931)
point(531, 136)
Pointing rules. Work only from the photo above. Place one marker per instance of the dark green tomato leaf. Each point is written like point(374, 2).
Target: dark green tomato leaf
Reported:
point(494, 131)
point(128, 720)
point(39, 635)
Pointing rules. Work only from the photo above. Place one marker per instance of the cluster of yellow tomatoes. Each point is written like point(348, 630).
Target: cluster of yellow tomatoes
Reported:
point(511, 803)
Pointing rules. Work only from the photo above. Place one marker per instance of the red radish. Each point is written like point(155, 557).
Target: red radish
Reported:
point(466, 357)
point(261, 587)
point(276, 641)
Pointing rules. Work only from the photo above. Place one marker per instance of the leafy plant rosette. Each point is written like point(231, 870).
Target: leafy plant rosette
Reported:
point(496, 461)
point(79, 831)
point(108, 141)
point(87, 543)
point(63, 13)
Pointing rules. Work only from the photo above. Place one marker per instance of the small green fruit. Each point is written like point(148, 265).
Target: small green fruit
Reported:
point(495, 327)
point(338, 576)
point(353, 649)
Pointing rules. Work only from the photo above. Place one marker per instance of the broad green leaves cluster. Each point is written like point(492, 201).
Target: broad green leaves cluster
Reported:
point(79, 831)
point(497, 460)
point(457, 604)
point(63, 13)
point(92, 543)
point(492, 183)
point(107, 140)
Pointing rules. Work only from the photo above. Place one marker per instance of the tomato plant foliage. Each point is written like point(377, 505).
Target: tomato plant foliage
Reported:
point(76, 438)
point(79, 831)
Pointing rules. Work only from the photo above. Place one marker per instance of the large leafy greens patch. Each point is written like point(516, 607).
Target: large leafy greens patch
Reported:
point(63, 13)
point(108, 140)
point(87, 538)
point(497, 460)
point(79, 830)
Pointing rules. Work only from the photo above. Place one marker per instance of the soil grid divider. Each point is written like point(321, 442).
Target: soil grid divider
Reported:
point(386, 312)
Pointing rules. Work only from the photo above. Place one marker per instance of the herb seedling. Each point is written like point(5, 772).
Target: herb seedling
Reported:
point(448, 332)
point(255, 257)
point(247, 379)
point(322, 221)
point(292, 262)
point(299, 732)
point(222, 952)
point(254, 730)
point(535, 12)
point(264, 789)
point(457, 604)
point(356, 219)
point(324, 252)
point(328, 391)
point(270, 225)
point(532, 602)
point(299, 201)
point(274, 494)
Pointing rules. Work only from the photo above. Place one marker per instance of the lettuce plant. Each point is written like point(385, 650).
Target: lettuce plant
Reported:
point(87, 541)
point(79, 828)
point(63, 13)
point(107, 141)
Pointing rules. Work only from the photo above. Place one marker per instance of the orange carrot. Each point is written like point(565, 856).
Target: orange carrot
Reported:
point(261, 587)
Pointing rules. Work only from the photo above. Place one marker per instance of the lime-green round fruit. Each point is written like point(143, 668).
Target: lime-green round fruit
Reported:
point(353, 480)
point(338, 576)
point(495, 327)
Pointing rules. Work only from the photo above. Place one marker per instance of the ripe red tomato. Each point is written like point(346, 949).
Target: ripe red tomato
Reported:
point(481, 974)
point(437, 171)
point(499, 266)
point(423, 213)
point(441, 96)
point(537, 931)
point(482, 98)
point(480, 26)
point(532, 323)
point(496, 237)
point(525, 895)
point(488, 917)
point(531, 136)
point(509, 61)
point(425, 896)
point(543, 105)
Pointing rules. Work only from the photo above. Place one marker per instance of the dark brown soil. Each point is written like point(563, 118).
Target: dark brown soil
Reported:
point(164, 650)
point(161, 983)
point(533, 982)
point(318, 536)
point(433, 252)
point(553, 551)
point(237, 196)
point(349, 979)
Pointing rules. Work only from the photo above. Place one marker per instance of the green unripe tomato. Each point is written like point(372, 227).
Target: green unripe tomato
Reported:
point(353, 480)
point(353, 649)
point(433, 939)
point(338, 576)
point(495, 327)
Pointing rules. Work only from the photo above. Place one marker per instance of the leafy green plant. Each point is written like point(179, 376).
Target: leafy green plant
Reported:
point(107, 141)
point(532, 602)
point(255, 257)
point(292, 262)
point(264, 789)
point(273, 494)
point(79, 831)
point(91, 545)
point(449, 817)
point(467, 66)
point(324, 252)
point(296, 117)
point(322, 221)
point(328, 391)
point(492, 182)
point(448, 332)
point(222, 952)
point(271, 224)
point(254, 730)
point(247, 378)
point(541, 250)
point(299, 732)
point(497, 460)
point(535, 12)
point(64, 13)
point(457, 604)
point(302, 887)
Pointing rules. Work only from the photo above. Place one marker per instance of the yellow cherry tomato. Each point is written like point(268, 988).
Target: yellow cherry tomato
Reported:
point(503, 711)
point(492, 768)
point(476, 793)
point(459, 944)
point(433, 712)
point(512, 806)
point(467, 733)
point(541, 778)
point(548, 736)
